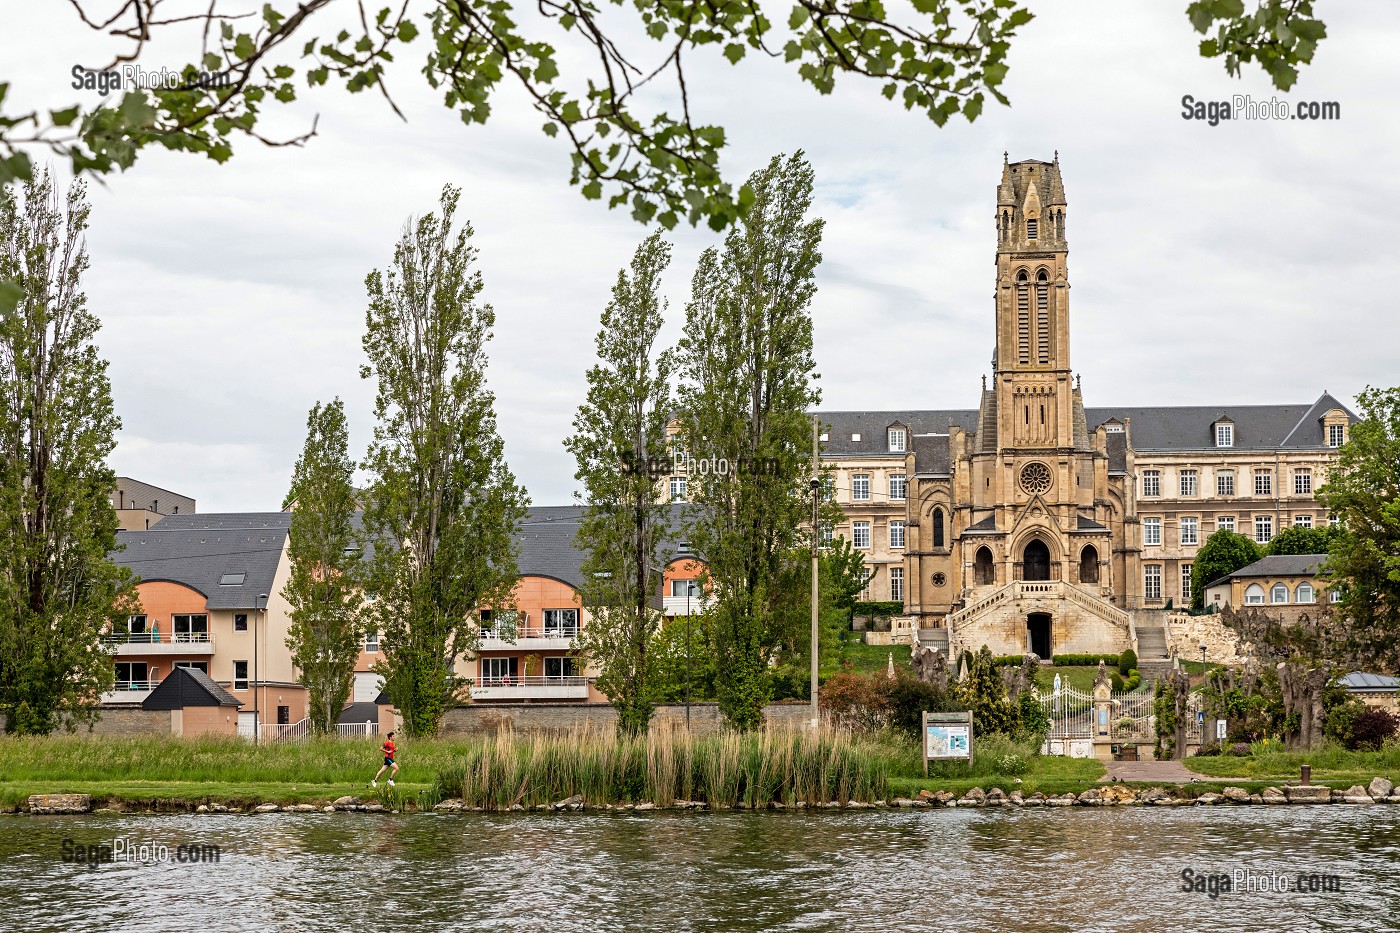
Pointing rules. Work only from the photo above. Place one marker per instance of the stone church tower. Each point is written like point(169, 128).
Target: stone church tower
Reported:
point(1023, 525)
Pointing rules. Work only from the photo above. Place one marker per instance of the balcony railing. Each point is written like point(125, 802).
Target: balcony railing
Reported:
point(160, 638)
point(557, 637)
point(530, 688)
point(685, 605)
point(135, 685)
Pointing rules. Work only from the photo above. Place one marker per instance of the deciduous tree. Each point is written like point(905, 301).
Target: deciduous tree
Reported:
point(443, 507)
point(60, 593)
point(324, 549)
point(1223, 553)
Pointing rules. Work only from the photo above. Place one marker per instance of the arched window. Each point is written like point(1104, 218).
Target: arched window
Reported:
point(938, 528)
point(1279, 593)
point(1089, 565)
point(1023, 317)
point(1305, 593)
point(1042, 316)
point(1254, 595)
point(984, 573)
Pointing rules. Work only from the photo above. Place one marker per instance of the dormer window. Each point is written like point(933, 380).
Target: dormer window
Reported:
point(897, 440)
point(1336, 435)
point(1225, 435)
point(1031, 228)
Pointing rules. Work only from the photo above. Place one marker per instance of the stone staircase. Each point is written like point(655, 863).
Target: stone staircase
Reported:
point(1153, 659)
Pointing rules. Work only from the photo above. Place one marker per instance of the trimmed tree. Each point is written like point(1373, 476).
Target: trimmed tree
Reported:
point(1299, 540)
point(746, 357)
point(59, 591)
point(619, 432)
point(1223, 553)
point(324, 587)
point(1363, 490)
point(443, 507)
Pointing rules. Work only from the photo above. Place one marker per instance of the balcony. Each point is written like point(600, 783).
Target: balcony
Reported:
point(130, 691)
point(148, 643)
point(530, 688)
point(673, 606)
point(529, 638)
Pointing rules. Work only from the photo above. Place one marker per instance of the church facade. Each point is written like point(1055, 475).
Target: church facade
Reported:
point(1035, 523)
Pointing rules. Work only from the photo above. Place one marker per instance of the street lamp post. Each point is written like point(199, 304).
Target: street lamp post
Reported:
point(683, 554)
point(257, 713)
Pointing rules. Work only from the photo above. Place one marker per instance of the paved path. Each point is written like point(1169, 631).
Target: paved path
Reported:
point(1157, 772)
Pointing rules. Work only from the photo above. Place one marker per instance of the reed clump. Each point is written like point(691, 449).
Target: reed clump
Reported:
point(723, 770)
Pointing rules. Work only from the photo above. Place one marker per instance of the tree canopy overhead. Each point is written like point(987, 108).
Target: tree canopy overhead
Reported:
point(582, 66)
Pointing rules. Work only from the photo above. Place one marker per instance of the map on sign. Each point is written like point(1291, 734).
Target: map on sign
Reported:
point(952, 741)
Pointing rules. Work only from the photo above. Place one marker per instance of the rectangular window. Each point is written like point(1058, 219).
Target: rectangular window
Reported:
point(896, 534)
point(190, 628)
point(1263, 483)
point(1185, 583)
point(897, 440)
point(1152, 581)
point(870, 578)
point(1334, 595)
point(685, 587)
point(232, 579)
point(827, 534)
point(1032, 228)
point(371, 643)
point(1225, 483)
point(860, 487)
point(1302, 482)
point(201, 666)
point(497, 672)
point(240, 621)
point(1190, 531)
point(897, 584)
point(131, 675)
point(677, 488)
point(828, 487)
point(1188, 482)
point(1333, 520)
point(1263, 528)
point(240, 675)
point(1151, 482)
point(1151, 531)
point(136, 625)
point(1336, 435)
point(559, 622)
point(860, 534)
point(559, 668)
point(1302, 521)
point(1224, 435)
point(899, 486)
point(1225, 523)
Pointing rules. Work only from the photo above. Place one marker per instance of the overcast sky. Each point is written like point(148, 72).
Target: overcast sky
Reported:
point(1232, 264)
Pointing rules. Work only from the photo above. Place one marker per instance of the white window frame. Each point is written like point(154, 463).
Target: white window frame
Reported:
point(1225, 522)
point(1334, 595)
point(497, 669)
point(567, 664)
point(1305, 594)
point(896, 584)
point(1263, 529)
point(1336, 435)
point(678, 488)
point(859, 531)
point(1152, 532)
point(1254, 595)
point(562, 622)
point(1274, 592)
point(826, 535)
point(1185, 582)
point(1302, 481)
point(899, 487)
point(372, 642)
point(1190, 483)
point(1151, 483)
point(1192, 524)
point(860, 487)
point(1263, 483)
point(1151, 581)
point(896, 533)
point(240, 683)
point(1225, 483)
point(1224, 435)
point(1302, 521)
point(898, 440)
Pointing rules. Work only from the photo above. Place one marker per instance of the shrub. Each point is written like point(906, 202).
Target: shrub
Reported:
point(906, 699)
point(1013, 764)
point(1008, 660)
point(1084, 660)
point(1115, 680)
point(1127, 661)
point(856, 702)
point(1372, 729)
point(1239, 750)
point(1209, 750)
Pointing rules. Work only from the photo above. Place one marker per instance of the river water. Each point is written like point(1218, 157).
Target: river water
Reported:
point(1114, 869)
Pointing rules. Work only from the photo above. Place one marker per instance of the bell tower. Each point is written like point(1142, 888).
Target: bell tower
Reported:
point(1035, 397)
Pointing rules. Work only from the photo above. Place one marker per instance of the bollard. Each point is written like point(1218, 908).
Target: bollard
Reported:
point(1307, 774)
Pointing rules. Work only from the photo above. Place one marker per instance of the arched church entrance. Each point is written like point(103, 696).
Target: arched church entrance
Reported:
point(1035, 563)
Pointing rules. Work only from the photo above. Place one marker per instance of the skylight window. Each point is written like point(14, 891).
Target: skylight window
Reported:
point(232, 579)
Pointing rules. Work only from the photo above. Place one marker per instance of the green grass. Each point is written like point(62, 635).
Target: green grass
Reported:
point(866, 659)
point(1047, 775)
point(1331, 764)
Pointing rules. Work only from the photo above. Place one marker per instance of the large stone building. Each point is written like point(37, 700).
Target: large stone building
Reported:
point(1034, 523)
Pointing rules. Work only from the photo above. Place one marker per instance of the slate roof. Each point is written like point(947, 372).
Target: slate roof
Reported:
point(197, 550)
point(1361, 682)
point(1154, 428)
point(932, 454)
point(359, 712)
point(186, 686)
point(547, 546)
point(1278, 565)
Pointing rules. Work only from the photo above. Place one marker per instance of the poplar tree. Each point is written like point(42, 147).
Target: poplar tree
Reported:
point(619, 434)
point(59, 591)
point(323, 587)
point(443, 507)
point(746, 359)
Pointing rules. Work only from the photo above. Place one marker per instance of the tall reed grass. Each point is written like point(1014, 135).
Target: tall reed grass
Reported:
point(755, 769)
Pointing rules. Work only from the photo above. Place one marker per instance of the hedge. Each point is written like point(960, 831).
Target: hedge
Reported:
point(1084, 660)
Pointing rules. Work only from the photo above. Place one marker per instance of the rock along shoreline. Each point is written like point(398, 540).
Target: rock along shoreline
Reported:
point(1378, 791)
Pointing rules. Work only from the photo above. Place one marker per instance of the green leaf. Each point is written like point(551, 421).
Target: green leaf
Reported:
point(734, 52)
point(407, 31)
point(11, 294)
point(551, 129)
point(63, 117)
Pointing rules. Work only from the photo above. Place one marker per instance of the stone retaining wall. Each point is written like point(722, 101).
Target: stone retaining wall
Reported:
point(1186, 634)
point(125, 720)
point(528, 718)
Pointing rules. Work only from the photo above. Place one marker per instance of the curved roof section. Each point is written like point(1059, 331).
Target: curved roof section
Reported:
point(198, 550)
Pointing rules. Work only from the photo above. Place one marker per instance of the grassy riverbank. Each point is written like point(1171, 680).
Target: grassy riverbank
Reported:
point(1331, 765)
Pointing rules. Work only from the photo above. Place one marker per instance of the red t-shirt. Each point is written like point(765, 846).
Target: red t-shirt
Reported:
point(388, 748)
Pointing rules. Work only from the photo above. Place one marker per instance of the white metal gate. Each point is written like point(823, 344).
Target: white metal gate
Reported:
point(1071, 715)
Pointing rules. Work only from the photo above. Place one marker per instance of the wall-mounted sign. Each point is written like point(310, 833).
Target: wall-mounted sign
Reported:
point(947, 737)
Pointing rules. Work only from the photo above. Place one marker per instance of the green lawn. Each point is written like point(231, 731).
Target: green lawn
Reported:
point(1048, 775)
point(1331, 765)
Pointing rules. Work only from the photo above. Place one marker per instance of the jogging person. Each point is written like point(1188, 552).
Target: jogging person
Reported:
point(389, 762)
